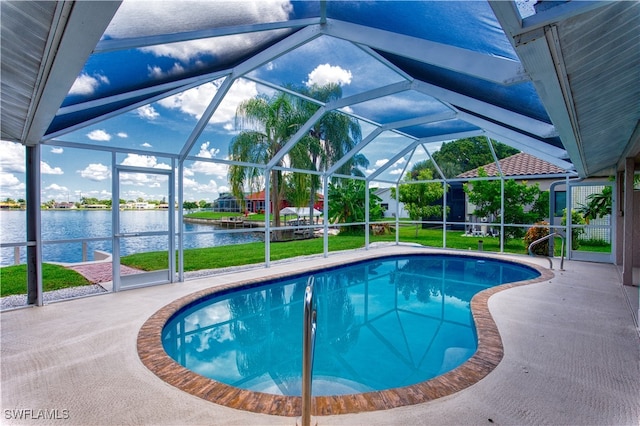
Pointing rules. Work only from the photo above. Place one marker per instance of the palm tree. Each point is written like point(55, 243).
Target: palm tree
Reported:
point(331, 137)
point(266, 125)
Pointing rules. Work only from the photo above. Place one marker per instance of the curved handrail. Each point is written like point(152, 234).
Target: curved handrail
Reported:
point(308, 347)
point(546, 237)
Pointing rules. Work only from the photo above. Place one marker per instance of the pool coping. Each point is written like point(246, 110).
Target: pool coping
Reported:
point(486, 358)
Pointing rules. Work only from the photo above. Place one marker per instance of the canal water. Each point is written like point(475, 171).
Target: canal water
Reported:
point(78, 224)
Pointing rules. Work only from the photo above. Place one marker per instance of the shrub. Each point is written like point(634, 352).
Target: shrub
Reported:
point(535, 233)
point(576, 219)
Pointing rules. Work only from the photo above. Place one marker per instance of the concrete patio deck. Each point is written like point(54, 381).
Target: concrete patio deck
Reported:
point(571, 356)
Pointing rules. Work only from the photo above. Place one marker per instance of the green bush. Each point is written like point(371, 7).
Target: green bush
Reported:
point(576, 219)
point(535, 233)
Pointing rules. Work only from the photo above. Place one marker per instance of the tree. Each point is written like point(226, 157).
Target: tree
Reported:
point(523, 203)
point(598, 204)
point(347, 203)
point(189, 205)
point(330, 138)
point(467, 154)
point(266, 125)
point(419, 197)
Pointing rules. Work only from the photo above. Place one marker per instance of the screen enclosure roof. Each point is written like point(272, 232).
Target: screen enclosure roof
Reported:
point(558, 80)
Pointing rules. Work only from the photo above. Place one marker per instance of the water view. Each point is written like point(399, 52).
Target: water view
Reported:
point(61, 225)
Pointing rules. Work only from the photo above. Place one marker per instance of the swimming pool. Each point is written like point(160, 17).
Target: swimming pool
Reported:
point(387, 326)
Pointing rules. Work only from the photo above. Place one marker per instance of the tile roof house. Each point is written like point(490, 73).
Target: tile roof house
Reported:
point(521, 164)
point(521, 167)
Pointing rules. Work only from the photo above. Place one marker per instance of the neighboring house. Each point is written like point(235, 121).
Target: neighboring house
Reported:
point(226, 202)
point(65, 205)
point(390, 206)
point(255, 202)
point(455, 201)
point(522, 167)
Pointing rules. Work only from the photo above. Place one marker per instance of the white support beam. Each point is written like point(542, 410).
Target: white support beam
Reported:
point(284, 46)
point(486, 67)
point(72, 38)
point(295, 138)
point(167, 89)
point(170, 89)
point(452, 136)
point(543, 61)
point(443, 116)
point(511, 134)
point(364, 142)
point(138, 42)
point(528, 124)
point(559, 13)
point(393, 160)
point(380, 92)
point(206, 116)
point(531, 149)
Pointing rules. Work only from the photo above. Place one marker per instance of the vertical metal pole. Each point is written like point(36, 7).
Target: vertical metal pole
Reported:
point(367, 225)
point(308, 343)
point(34, 235)
point(267, 218)
point(628, 245)
point(568, 217)
point(502, 214)
point(325, 215)
point(397, 189)
point(180, 231)
point(444, 214)
point(172, 222)
point(115, 223)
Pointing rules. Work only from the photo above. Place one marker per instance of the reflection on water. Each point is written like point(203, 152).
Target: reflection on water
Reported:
point(76, 224)
point(381, 324)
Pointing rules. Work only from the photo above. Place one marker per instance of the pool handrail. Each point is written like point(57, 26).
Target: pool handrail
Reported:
point(546, 237)
point(308, 348)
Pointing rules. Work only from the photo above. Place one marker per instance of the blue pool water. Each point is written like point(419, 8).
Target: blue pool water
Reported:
point(381, 324)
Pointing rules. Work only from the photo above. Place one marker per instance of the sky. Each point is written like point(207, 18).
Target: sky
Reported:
point(162, 127)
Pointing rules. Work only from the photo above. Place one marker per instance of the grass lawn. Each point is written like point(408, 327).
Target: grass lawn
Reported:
point(13, 278)
point(55, 277)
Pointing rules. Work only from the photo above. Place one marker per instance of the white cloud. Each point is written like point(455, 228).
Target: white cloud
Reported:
point(146, 145)
point(147, 161)
point(56, 187)
point(147, 112)
point(195, 190)
point(143, 179)
point(57, 150)
point(381, 162)
point(325, 73)
point(205, 167)
point(157, 72)
point(12, 159)
point(195, 101)
point(9, 182)
point(96, 172)
point(46, 169)
point(99, 135)
point(207, 15)
point(122, 135)
point(86, 84)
